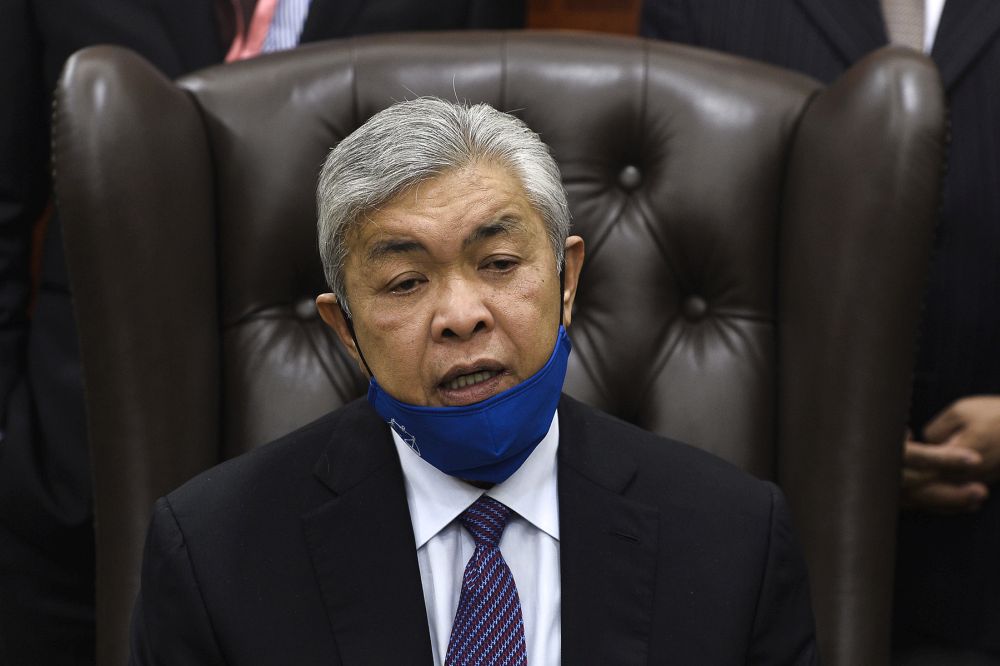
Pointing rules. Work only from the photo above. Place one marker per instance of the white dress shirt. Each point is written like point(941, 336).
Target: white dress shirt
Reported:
point(530, 543)
point(286, 25)
point(932, 18)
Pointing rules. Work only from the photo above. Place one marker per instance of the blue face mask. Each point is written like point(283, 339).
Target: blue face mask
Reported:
point(484, 441)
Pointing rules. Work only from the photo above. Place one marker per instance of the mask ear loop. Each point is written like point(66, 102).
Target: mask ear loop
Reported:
point(562, 291)
point(357, 345)
point(350, 328)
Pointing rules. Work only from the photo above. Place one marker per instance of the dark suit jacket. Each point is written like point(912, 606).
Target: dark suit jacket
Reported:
point(949, 579)
point(46, 540)
point(302, 552)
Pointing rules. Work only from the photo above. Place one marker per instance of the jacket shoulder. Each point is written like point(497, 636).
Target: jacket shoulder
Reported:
point(283, 468)
point(663, 469)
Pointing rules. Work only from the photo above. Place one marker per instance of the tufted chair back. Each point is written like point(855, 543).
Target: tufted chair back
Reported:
point(755, 252)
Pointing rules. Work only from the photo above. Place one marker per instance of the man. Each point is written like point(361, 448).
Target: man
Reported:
point(465, 510)
point(948, 582)
point(46, 516)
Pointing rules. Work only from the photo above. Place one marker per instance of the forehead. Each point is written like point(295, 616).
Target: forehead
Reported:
point(447, 210)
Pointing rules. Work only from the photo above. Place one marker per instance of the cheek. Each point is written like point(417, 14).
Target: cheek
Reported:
point(536, 295)
point(393, 346)
point(530, 312)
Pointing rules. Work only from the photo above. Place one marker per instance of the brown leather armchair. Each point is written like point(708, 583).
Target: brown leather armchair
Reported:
point(756, 248)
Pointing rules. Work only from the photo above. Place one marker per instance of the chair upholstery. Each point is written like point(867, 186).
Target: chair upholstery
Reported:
point(756, 247)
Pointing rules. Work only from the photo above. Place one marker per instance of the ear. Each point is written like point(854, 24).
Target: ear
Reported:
point(331, 313)
point(572, 265)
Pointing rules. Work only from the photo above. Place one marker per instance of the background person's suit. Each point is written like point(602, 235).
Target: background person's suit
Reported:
point(46, 539)
point(303, 552)
point(949, 580)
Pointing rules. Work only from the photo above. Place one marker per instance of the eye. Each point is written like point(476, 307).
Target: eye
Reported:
point(500, 264)
point(406, 285)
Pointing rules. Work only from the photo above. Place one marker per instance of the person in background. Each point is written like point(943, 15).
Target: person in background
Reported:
point(46, 534)
point(947, 607)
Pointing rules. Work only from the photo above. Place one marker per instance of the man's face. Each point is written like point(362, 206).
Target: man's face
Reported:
point(454, 289)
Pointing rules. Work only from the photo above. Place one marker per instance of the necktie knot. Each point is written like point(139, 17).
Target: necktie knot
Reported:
point(485, 520)
point(904, 21)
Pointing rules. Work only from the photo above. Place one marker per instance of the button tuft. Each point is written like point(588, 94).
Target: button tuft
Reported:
point(695, 308)
point(306, 308)
point(630, 177)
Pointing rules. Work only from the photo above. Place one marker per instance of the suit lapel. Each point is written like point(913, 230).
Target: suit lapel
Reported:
point(965, 30)
point(363, 552)
point(608, 547)
point(193, 31)
point(854, 27)
point(330, 18)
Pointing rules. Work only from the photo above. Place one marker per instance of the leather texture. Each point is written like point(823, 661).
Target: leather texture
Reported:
point(756, 247)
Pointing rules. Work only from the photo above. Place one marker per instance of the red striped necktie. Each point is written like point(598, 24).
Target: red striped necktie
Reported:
point(249, 41)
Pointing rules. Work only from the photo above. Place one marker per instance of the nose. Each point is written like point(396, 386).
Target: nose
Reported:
point(461, 312)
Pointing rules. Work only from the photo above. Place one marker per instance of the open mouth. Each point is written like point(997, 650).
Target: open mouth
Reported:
point(470, 379)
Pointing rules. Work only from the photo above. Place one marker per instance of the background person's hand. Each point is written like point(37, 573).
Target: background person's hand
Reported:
point(935, 478)
point(971, 423)
point(950, 472)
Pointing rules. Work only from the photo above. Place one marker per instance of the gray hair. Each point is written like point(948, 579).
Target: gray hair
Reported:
point(412, 142)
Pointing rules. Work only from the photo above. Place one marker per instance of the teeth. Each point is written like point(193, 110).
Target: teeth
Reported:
point(469, 380)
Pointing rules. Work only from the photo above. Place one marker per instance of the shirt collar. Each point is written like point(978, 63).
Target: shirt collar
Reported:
point(436, 499)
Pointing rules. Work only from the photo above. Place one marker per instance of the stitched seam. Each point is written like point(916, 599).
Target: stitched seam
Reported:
point(197, 582)
point(504, 53)
point(762, 586)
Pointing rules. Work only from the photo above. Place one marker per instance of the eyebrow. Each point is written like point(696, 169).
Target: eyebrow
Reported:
point(503, 225)
point(386, 248)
